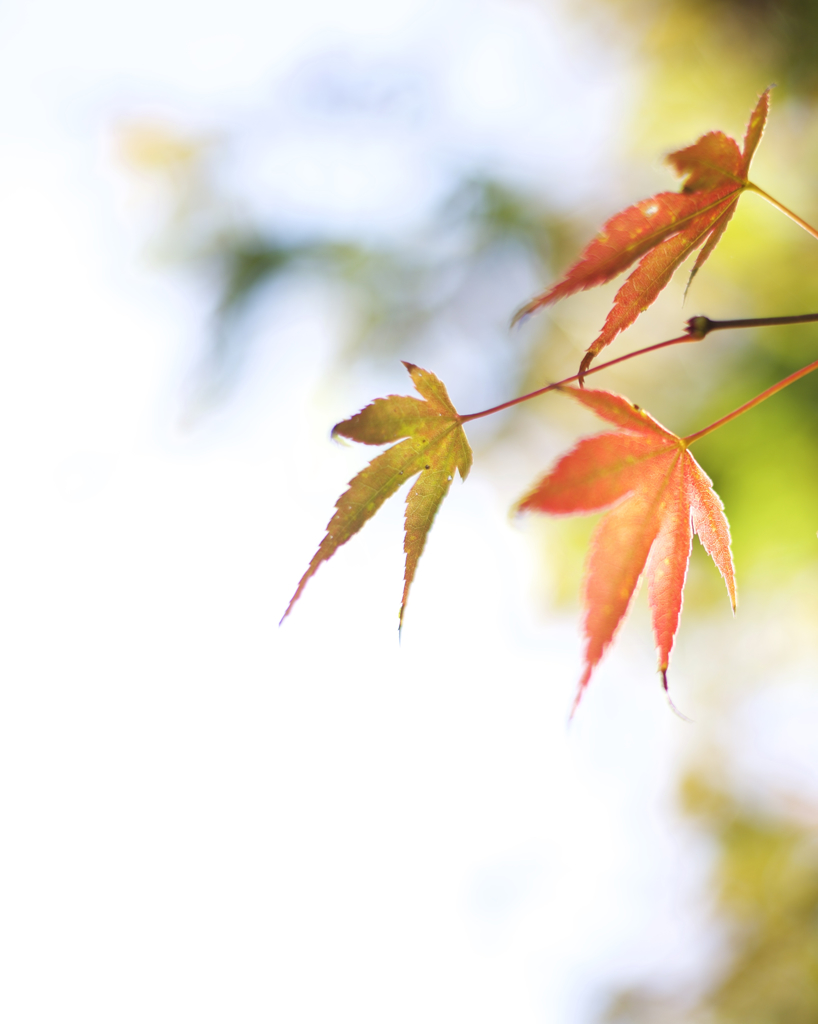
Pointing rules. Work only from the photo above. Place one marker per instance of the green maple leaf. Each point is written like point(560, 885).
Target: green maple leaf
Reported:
point(434, 445)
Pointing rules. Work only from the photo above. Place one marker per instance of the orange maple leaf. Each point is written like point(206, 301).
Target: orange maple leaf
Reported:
point(658, 497)
point(663, 230)
point(434, 445)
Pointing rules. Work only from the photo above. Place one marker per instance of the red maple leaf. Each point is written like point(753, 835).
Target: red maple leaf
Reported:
point(658, 497)
point(663, 230)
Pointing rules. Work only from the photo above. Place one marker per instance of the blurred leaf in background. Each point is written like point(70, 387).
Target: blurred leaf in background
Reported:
point(765, 899)
point(456, 273)
point(442, 284)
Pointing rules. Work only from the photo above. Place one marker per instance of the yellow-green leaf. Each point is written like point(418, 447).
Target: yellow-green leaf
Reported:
point(434, 446)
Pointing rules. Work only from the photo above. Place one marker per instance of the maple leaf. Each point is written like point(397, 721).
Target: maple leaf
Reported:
point(434, 445)
point(663, 230)
point(657, 496)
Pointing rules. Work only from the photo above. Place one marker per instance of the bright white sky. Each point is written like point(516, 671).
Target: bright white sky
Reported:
point(206, 817)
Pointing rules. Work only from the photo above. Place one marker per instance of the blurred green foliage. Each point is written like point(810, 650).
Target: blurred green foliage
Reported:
point(779, 38)
point(395, 290)
point(765, 892)
point(700, 64)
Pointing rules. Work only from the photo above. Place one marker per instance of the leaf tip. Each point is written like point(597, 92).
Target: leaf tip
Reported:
point(730, 582)
point(524, 312)
point(586, 675)
point(585, 366)
point(691, 275)
point(289, 609)
point(316, 561)
point(671, 705)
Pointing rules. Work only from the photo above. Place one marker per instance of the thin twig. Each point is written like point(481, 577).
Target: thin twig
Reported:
point(576, 376)
point(702, 325)
point(698, 327)
point(793, 377)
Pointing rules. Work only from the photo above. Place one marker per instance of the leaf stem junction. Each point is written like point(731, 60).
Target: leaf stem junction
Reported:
point(698, 327)
point(782, 208)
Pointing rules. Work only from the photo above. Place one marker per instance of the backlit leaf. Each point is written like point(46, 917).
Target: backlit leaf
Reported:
point(664, 230)
point(657, 497)
point(434, 446)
